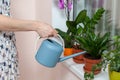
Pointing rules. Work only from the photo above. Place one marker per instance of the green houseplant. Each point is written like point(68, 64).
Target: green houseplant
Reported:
point(92, 42)
point(112, 59)
point(72, 31)
point(87, 27)
point(94, 45)
point(106, 58)
point(87, 24)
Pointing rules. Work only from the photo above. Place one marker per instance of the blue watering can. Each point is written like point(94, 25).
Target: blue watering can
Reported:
point(50, 51)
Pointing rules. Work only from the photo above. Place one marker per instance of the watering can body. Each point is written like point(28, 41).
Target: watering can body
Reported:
point(49, 53)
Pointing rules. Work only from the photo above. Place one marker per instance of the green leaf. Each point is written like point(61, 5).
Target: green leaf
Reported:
point(67, 38)
point(97, 16)
point(71, 26)
point(81, 16)
point(79, 30)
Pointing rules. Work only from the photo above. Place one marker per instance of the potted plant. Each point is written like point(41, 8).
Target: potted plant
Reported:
point(108, 55)
point(112, 60)
point(86, 25)
point(72, 31)
point(92, 42)
point(94, 45)
point(76, 48)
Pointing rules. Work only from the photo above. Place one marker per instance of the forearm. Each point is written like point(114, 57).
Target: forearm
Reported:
point(10, 24)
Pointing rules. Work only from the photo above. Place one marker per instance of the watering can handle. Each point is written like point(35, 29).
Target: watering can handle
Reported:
point(59, 38)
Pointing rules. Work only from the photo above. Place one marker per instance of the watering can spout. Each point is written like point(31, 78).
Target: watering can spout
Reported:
point(71, 56)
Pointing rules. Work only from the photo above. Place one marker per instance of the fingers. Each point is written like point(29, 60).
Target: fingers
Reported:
point(52, 33)
point(46, 31)
point(55, 33)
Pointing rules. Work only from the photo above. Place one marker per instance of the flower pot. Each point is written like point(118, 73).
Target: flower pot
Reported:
point(78, 59)
point(89, 63)
point(113, 75)
point(68, 51)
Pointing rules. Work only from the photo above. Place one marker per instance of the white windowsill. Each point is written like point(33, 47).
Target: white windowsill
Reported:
point(77, 69)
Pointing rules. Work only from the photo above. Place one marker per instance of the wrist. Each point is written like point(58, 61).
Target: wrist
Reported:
point(34, 26)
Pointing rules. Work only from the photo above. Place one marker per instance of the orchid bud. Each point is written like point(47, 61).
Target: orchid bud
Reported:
point(69, 4)
point(61, 4)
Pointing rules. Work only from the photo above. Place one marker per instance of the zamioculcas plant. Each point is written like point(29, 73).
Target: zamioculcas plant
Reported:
point(92, 42)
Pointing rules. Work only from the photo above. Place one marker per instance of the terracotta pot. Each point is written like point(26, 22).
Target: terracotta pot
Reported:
point(68, 51)
point(78, 59)
point(89, 63)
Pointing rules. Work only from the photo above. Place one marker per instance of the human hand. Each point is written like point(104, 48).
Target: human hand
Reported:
point(45, 30)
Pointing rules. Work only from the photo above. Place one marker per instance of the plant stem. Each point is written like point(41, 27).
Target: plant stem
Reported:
point(68, 13)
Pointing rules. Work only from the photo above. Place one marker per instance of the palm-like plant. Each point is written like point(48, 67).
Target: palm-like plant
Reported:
point(90, 41)
point(94, 44)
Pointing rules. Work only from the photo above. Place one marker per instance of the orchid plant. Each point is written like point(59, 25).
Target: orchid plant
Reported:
point(67, 5)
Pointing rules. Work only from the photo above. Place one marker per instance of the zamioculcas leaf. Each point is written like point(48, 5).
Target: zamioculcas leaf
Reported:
point(81, 16)
point(71, 26)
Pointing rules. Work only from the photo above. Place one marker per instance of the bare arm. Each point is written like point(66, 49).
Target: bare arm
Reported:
point(10, 24)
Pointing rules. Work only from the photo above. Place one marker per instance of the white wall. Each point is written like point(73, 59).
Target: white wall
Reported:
point(29, 68)
point(58, 16)
point(25, 9)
